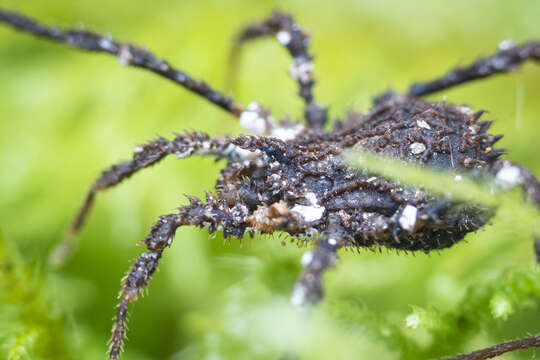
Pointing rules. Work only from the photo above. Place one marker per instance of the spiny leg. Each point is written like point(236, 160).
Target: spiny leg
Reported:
point(126, 53)
point(214, 213)
point(509, 174)
point(143, 156)
point(309, 287)
point(290, 35)
point(507, 58)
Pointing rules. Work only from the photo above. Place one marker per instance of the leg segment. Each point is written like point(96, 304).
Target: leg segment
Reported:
point(508, 57)
point(309, 288)
point(214, 213)
point(143, 156)
point(290, 35)
point(509, 174)
point(127, 54)
point(499, 349)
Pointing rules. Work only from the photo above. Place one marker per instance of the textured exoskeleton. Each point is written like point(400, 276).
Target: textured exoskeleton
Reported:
point(292, 177)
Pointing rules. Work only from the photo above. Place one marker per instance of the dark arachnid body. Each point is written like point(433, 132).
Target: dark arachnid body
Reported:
point(366, 208)
point(295, 179)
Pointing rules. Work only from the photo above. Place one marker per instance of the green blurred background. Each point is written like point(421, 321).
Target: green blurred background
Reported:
point(65, 115)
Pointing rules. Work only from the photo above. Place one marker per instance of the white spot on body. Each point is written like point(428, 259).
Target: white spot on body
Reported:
point(181, 77)
point(285, 133)
point(508, 176)
point(298, 296)
point(184, 154)
point(306, 258)
point(255, 120)
point(417, 148)
point(253, 106)
point(107, 44)
point(237, 153)
point(243, 153)
point(124, 55)
point(284, 37)
point(423, 124)
point(407, 220)
point(138, 149)
point(205, 149)
point(164, 66)
point(506, 45)
point(252, 122)
point(332, 242)
point(229, 149)
point(312, 198)
point(301, 71)
point(309, 213)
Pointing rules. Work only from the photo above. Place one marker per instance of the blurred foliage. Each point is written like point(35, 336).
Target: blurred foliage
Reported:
point(65, 115)
point(31, 326)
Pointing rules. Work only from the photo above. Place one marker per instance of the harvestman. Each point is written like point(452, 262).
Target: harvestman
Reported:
point(293, 179)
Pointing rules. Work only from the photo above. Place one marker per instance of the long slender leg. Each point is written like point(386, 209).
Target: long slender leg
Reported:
point(309, 287)
point(499, 349)
point(143, 156)
point(126, 53)
point(509, 174)
point(290, 35)
point(214, 212)
point(507, 58)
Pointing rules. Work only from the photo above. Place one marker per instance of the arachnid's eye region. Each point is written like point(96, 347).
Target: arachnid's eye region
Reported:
point(298, 178)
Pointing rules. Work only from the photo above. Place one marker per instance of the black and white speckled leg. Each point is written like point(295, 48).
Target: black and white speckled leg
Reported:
point(127, 54)
point(507, 58)
point(213, 213)
point(309, 287)
point(143, 156)
point(509, 174)
point(296, 41)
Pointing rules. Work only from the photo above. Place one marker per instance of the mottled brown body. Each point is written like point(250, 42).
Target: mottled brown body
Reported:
point(291, 177)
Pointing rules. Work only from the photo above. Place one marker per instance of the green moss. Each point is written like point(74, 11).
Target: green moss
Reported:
point(31, 326)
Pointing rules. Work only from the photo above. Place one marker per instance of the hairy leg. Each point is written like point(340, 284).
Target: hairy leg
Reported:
point(509, 174)
point(214, 213)
point(309, 287)
point(143, 156)
point(126, 53)
point(290, 35)
point(507, 58)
